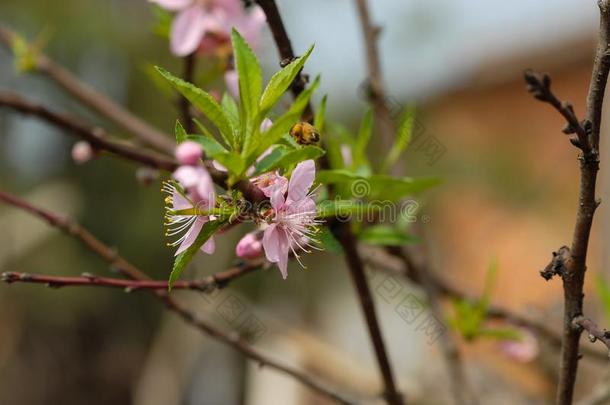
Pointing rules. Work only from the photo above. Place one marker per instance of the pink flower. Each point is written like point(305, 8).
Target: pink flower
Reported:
point(211, 20)
point(82, 152)
point(250, 246)
point(523, 350)
point(293, 223)
point(188, 153)
point(198, 194)
point(270, 182)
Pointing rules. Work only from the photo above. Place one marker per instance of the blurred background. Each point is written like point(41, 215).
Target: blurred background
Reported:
point(509, 194)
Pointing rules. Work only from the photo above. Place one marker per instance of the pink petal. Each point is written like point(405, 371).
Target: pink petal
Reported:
point(265, 125)
point(191, 235)
point(187, 176)
point(209, 246)
point(172, 5)
point(271, 243)
point(283, 253)
point(277, 198)
point(188, 28)
point(303, 206)
point(250, 24)
point(179, 202)
point(205, 190)
point(301, 180)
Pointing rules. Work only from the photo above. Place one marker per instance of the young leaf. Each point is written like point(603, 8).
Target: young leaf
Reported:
point(184, 258)
point(204, 103)
point(231, 108)
point(283, 157)
point(329, 242)
point(283, 124)
point(180, 132)
point(364, 135)
point(250, 75)
point(403, 137)
point(385, 235)
point(320, 118)
point(279, 82)
point(214, 150)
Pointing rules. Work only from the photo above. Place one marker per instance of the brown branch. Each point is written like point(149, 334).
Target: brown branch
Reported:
point(341, 230)
point(595, 333)
point(575, 267)
point(210, 283)
point(284, 47)
point(94, 99)
point(376, 91)
point(129, 270)
point(344, 234)
point(100, 139)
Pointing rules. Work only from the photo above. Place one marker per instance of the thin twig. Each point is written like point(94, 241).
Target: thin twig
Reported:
point(595, 333)
point(574, 275)
point(216, 280)
point(376, 91)
point(129, 270)
point(100, 139)
point(94, 99)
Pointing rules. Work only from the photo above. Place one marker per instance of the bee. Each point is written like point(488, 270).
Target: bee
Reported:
point(305, 134)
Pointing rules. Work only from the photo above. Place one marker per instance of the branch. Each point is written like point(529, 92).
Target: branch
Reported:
point(595, 333)
point(129, 270)
point(94, 99)
point(100, 139)
point(344, 234)
point(376, 90)
point(185, 104)
point(218, 280)
point(341, 230)
point(540, 87)
point(574, 275)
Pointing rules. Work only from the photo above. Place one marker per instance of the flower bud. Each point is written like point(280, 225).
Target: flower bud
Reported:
point(188, 153)
point(82, 152)
point(250, 246)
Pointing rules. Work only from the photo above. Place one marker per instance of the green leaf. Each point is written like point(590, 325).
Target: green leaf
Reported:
point(364, 136)
point(279, 82)
point(343, 208)
point(250, 75)
point(180, 132)
point(231, 109)
point(603, 291)
point(184, 258)
point(204, 103)
point(403, 137)
point(379, 187)
point(284, 157)
point(214, 150)
point(385, 235)
point(283, 124)
point(329, 242)
point(320, 118)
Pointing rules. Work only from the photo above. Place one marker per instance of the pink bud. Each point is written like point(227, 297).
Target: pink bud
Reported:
point(189, 153)
point(522, 350)
point(250, 246)
point(266, 124)
point(82, 152)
